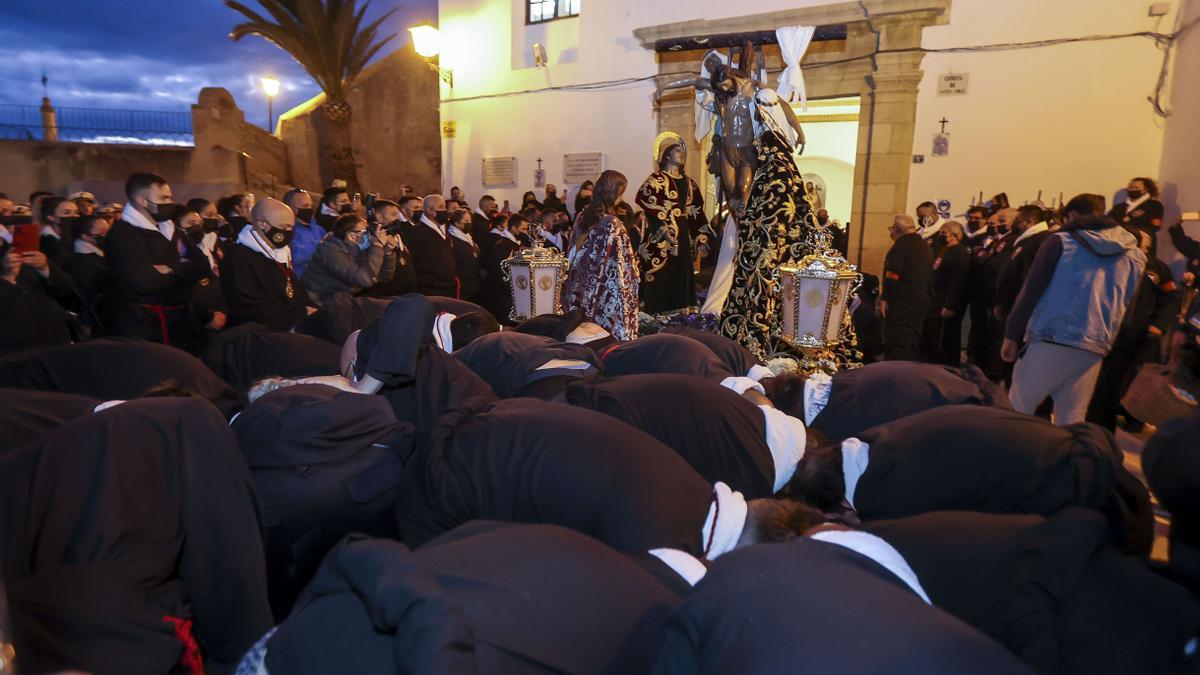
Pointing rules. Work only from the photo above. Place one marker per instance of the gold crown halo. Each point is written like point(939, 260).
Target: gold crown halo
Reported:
point(665, 140)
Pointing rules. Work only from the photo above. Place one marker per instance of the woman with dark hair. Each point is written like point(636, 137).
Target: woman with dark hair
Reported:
point(466, 254)
point(349, 259)
point(87, 264)
point(674, 208)
point(529, 199)
point(603, 281)
point(1141, 209)
point(213, 220)
point(207, 310)
point(584, 196)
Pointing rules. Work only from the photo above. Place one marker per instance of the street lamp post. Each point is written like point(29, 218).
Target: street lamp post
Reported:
point(427, 42)
point(270, 87)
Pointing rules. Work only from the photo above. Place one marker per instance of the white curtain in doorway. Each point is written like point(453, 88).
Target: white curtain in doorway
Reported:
point(793, 42)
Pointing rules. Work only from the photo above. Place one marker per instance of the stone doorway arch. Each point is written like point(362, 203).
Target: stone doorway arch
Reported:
point(887, 84)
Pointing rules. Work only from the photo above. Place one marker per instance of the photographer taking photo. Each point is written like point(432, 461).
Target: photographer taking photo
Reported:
point(349, 259)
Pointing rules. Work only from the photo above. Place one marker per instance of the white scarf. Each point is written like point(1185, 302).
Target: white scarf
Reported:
point(84, 247)
point(131, 215)
point(509, 236)
point(816, 395)
point(1030, 231)
point(1131, 206)
point(758, 373)
point(743, 384)
point(436, 228)
point(207, 245)
point(871, 546)
point(928, 232)
point(462, 236)
point(855, 456)
point(251, 239)
point(729, 511)
point(48, 231)
point(441, 331)
point(327, 211)
point(786, 437)
point(5, 234)
point(684, 564)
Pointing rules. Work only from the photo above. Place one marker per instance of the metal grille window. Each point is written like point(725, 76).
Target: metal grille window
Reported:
point(540, 11)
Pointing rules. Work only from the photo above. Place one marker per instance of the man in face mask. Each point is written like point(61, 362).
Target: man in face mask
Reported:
point(432, 251)
point(308, 232)
point(153, 269)
point(260, 284)
point(552, 202)
point(481, 219)
point(335, 201)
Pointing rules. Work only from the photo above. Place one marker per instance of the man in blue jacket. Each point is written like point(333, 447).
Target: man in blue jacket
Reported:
point(1070, 310)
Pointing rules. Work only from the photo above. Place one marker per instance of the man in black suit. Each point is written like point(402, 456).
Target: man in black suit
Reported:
point(153, 266)
point(433, 254)
point(951, 276)
point(907, 278)
point(481, 218)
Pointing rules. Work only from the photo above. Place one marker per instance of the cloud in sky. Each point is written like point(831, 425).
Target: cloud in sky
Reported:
point(153, 55)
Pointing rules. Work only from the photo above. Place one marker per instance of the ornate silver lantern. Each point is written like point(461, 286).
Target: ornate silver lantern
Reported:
point(536, 276)
point(814, 295)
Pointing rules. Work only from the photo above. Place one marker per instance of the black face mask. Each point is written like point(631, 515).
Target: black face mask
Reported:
point(212, 224)
point(226, 231)
point(442, 217)
point(1134, 194)
point(237, 223)
point(99, 241)
point(346, 208)
point(524, 239)
point(68, 223)
point(195, 234)
point(278, 237)
point(304, 215)
point(164, 212)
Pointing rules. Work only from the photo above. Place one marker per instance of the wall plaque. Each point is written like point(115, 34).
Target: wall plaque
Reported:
point(582, 166)
point(499, 171)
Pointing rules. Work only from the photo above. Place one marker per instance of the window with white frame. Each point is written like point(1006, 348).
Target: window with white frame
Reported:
point(541, 11)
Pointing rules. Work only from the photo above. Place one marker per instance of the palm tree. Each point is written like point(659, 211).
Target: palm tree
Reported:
point(327, 38)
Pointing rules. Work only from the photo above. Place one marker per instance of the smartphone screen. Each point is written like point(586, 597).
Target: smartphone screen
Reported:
point(25, 238)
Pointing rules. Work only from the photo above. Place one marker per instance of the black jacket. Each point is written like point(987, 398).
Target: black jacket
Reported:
point(1015, 264)
point(951, 280)
point(908, 277)
point(433, 260)
point(256, 289)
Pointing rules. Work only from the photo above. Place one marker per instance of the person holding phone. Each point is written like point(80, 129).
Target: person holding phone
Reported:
point(30, 317)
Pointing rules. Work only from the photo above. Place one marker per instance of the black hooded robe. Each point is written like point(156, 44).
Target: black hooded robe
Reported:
point(509, 362)
point(523, 460)
point(245, 354)
point(118, 522)
point(27, 415)
point(666, 353)
point(485, 598)
point(716, 431)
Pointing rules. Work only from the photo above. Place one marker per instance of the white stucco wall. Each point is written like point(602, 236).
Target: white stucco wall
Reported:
point(1069, 118)
point(1179, 175)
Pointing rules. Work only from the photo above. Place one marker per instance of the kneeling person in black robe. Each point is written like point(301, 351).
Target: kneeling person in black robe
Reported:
point(485, 598)
point(855, 400)
point(132, 539)
point(979, 459)
point(821, 607)
point(523, 460)
point(1051, 590)
point(722, 435)
point(27, 416)
point(244, 354)
point(515, 364)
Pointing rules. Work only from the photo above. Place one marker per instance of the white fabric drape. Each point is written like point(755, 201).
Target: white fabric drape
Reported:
point(705, 100)
point(793, 42)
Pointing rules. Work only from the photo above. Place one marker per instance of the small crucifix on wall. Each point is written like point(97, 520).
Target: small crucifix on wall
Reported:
point(941, 140)
point(539, 175)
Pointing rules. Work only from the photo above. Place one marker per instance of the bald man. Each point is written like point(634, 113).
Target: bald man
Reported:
point(907, 282)
point(257, 277)
point(432, 250)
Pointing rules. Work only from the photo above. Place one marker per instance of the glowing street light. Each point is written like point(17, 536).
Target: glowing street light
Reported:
point(270, 87)
point(427, 42)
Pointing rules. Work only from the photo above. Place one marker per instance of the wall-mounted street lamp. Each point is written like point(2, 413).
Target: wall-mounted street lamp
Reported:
point(427, 41)
point(270, 87)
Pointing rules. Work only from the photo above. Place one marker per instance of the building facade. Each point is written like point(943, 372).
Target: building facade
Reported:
point(1062, 118)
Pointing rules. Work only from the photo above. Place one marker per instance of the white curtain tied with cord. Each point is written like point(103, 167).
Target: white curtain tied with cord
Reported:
point(793, 42)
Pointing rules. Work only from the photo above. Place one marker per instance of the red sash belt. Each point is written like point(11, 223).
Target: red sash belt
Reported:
point(161, 312)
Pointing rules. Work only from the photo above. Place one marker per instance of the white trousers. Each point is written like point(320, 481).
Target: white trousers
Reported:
point(1065, 374)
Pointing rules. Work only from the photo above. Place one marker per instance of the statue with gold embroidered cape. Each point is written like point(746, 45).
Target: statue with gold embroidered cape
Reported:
point(674, 209)
point(778, 228)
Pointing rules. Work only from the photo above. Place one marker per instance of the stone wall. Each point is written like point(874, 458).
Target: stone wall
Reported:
point(395, 129)
point(229, 156)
